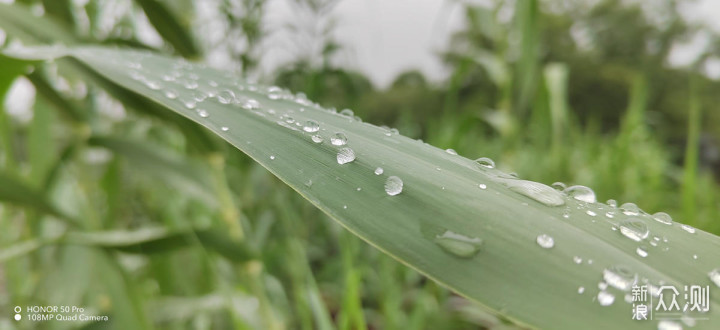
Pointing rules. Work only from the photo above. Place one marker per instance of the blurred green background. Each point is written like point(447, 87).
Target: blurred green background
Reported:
point(178, 230)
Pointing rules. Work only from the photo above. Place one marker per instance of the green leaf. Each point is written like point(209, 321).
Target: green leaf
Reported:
point(467, 226)
point(167, 24)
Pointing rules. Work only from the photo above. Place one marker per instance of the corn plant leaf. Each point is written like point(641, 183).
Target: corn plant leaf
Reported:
point(448, 206)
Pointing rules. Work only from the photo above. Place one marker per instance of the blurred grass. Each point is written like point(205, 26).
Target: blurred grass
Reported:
point(542, 115)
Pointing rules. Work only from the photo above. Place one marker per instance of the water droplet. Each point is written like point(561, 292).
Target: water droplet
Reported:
point(171, 94)
point(347, 113)
point(202, 113)
point(393, 185)
point(612, 203)
point(590, 213)
point(308, 183)
point(577, 260)
point(688, 229)
point(358, 189)
point(619, 277)
point(610, 215)
point(581, 193)
point(605, 298)
point(695, 256)
point(630, 209)
point(311, 126)
point(602, 285)
point(154, 85)
point(345, 155)
point(224, 128)
point(559, 186)
point(669, 325)
point(190, 104)
point(345, 207)
point(451, 151)
point(590, 261)
point(250, 104)
point(581, 290)
point(663, 217)
point(339, 139)
point(226, 96)
point(272, 157)
point(482, 186)
point(634, 229)
point(379, 171)
point(714, 276)
point(537, 191)
point(628, 298)
point(459, 245)
point(641, 251)
point(317, 138)
point(545, 241)
point(484, 162)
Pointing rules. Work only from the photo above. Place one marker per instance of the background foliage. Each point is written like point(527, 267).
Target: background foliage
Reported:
point(578, 93)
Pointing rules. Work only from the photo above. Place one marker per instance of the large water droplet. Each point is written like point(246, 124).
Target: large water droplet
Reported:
point(663, 217)
point(459, 245)
point(581, 193)
point(339, 139)
point(379, 171)
point(669, 325)
point(311, 126)
point(619, 277)
point(630, 209)
point(226, 96)
point(393, 185)
point(545, 241)
point(605, 298)
point(534, 190)
point(485, 162)
point(345, 155)
point(714, 276)
point(634, 229)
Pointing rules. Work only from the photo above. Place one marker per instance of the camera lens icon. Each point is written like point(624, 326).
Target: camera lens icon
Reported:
point(18, 309)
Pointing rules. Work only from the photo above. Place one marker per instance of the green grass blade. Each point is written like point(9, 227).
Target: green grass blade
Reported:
point(510, 275)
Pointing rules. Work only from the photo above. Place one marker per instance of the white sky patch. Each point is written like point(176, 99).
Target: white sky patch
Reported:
point(20, 99)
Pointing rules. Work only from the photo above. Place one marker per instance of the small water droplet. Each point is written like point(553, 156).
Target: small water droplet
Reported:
point(171, 94)
point(190, 104)
point(641, 251)
point(610, 215)
point(154, 85)
point(634, 229)
point(714, 276)
point(224, 128)
point(345, 207)
point(605, 298)
point(581, 290)
point(485, 162)
point(559, 186)
point(581, 193)
point(577, 260)
point(590, 213)
point(250, 104)
point(451, 151)
point(669, 325)
point(695, 256)
point(590, 261)
point(482, 186)
point(688, 229)
point(347, 113)
point(317, 138)
point(534, 190)
point(226, 96)
point(202, 113)
point(272, 157)
point(619, 277)
point(602, 285)
point(311, 126)
point(308, 183)
point(379, 171)
point(612, 203)
point(345, 155)
point(358, 189)
point(663, 217)
point(339, 139)
point(545, 241)
point(630, 209)
point(459, 245)
point(393, 185)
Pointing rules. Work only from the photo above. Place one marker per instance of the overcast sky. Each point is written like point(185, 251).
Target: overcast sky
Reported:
point(385, 37)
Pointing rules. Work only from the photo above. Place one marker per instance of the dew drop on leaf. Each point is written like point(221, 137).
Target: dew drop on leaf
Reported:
point(663, 218)
point(393, 185)
point(688, 229)
point(605, 298)
point(458, 245)
point(339, 139)
point(545, 241)
point(630, 209)
point(224, 128)
point(641, 251)
point(317, 138)
point(451, 151)
point(714, 276)
point(619, 277)
point(485, 162)
point(311, 126)
point(634, 229)
point(581, 193)
point(203, 113)
point(345, 155)
point(379, 171)
point(669, 325)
